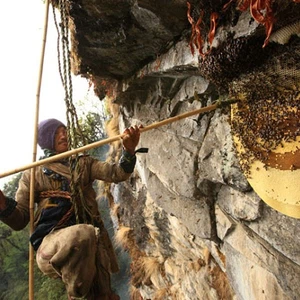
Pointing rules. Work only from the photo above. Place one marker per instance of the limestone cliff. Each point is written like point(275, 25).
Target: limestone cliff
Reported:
point(194, 226)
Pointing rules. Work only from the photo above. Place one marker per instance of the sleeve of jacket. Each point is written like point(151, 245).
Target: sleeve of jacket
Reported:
point(113, 172)
point(16, 215)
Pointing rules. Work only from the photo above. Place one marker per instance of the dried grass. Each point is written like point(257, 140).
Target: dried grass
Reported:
point(161, 294)
point(137, 272)
point(122, 237)
point(134, 293)
point(220, 283)
point(112, 129)
point(207, 256)
point(115, 210)
point(196, 265)
point(151, 266)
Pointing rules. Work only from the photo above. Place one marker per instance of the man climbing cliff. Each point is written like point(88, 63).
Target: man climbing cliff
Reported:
point(69, 237)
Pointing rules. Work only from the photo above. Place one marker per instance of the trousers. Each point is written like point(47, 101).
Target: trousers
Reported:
point(75, 255)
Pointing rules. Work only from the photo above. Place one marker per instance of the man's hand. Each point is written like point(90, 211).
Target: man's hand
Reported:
point(131, 138)
point(2, 201)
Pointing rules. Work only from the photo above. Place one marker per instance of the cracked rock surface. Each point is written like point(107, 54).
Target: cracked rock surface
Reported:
point(190, 208)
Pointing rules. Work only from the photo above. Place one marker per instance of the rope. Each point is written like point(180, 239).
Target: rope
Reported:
point(61, 194)
point(74, 132)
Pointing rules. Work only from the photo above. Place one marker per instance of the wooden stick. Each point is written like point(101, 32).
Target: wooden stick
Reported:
point(34, 153)
point(107, 141)
point(115, 138)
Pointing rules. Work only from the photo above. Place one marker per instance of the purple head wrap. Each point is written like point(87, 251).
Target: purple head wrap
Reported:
point(46, 133)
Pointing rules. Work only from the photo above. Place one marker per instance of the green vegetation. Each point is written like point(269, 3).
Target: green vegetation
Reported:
point(92, 125)
point(14, 253)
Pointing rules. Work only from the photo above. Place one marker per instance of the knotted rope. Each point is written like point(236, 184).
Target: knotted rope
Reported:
point(75, 136)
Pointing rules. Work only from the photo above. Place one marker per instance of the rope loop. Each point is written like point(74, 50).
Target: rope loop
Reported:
point(75, 136)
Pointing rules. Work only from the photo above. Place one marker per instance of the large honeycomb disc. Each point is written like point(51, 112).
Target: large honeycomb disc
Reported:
point(266, 130)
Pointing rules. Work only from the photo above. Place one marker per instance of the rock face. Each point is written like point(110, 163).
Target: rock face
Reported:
point(197, 229)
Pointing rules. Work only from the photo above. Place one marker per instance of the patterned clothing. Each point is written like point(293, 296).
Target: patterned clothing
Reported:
point(55, 178)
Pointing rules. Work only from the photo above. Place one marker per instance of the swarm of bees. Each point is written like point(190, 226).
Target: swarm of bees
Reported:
point(266, 128)
point(267, 117)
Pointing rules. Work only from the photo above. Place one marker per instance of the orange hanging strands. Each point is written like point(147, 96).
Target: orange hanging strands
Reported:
point(196, 38)
point(266, 18)
point(213, 27)
point(261, 11)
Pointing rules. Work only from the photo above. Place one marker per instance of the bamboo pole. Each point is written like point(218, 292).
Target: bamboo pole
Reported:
point(34, 153)
point(115, 138)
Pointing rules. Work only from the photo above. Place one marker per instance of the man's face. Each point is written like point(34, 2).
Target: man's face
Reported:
point(61, 140)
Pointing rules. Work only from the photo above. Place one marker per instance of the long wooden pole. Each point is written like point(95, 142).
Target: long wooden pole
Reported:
point(34, 153)
point(115, 138)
